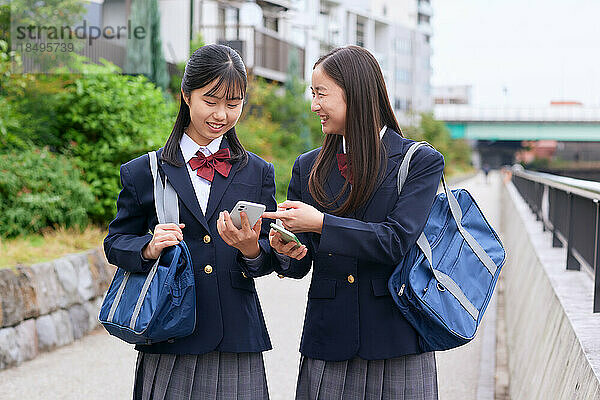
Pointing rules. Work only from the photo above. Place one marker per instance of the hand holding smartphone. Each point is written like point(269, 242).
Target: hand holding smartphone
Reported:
point(286, 235)
point(252, 210)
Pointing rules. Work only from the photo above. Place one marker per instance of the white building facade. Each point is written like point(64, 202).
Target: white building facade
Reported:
point(271, 35)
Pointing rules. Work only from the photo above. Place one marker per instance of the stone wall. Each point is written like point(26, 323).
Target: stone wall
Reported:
point(50, 304)
point(552, 334)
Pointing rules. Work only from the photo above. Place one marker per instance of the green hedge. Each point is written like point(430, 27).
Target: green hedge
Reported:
point(106, 119)
point(40, 189)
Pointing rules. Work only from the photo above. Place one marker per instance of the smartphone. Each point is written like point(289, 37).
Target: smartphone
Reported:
point(286, 235)
point(252, 210)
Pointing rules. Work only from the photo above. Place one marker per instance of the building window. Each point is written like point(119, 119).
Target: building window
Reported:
point(424, 19)
point(360, 33)
point(403, 75)
point(402, 45)
point(271, 23)
point(401, 104)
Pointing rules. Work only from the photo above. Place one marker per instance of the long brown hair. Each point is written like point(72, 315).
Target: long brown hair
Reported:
point(207, 64)
point(368, 109)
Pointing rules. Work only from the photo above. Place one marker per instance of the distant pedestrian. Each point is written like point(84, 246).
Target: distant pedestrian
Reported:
point(343, 204)
point(210, 170)
point(486, 170)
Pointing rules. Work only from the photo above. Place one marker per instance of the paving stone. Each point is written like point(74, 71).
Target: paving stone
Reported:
point(67, 277)
point(79, 320)
point(9, 350)
point(102, 272)
point(93, 309)
point(47, 288)
point(64, 328)
point(46, 332)
point(11, 298)
point(27, 340)
point(28, 292)
point(85, 286)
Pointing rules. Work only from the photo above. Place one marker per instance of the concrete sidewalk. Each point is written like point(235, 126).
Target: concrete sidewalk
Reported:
point(468, 372)
point(101, 367)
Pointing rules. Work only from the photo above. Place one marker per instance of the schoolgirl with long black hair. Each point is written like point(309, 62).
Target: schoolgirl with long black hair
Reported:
point(210, 171)
point(344, 206)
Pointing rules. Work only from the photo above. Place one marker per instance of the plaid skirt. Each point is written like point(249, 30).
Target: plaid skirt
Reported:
point(211, 376)
point(411, 377)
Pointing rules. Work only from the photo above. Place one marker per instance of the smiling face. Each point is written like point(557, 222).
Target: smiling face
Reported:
point(212, 114)
point(328, 102)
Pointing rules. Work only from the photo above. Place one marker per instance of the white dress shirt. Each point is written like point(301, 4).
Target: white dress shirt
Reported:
point(189, 149)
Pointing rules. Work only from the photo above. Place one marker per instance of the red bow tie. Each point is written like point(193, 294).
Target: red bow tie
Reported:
point(206, 166)
point(342, 161)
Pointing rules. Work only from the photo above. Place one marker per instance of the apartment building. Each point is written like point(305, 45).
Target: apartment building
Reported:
point(273, 35)
point(398, 33)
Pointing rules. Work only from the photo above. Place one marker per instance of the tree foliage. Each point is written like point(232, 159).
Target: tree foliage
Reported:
point(457, 153)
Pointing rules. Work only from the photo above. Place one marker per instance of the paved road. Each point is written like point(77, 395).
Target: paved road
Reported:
point(101, 367)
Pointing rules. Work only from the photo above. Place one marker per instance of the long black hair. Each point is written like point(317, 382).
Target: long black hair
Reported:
point(368, 109)
point(213, 62)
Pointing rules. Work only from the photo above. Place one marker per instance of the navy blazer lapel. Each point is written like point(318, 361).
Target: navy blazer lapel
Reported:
point(219, 185)
point(181, 182)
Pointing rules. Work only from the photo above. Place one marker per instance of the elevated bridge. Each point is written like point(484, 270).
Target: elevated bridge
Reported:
point(497, 133)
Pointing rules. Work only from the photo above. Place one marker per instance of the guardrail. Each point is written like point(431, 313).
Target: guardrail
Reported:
point(570, 209)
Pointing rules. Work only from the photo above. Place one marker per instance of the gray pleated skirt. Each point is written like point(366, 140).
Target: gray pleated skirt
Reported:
point(411, 377)
point(211, 376)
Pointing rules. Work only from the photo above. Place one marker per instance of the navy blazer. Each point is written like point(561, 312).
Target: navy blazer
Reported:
point(350, 311)
point(228, 314)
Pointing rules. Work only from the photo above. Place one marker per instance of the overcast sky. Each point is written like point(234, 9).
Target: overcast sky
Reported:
point(540, 50)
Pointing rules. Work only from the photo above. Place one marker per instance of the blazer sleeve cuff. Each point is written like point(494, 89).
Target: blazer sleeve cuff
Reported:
point(284, 261)
point(129, 257)
point(254, 263)
point(332, 228)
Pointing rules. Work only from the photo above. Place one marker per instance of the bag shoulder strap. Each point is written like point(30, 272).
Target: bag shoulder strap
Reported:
point(165, 197)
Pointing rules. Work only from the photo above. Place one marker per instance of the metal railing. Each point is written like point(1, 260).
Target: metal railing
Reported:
point(264, 52)
point(570, 209)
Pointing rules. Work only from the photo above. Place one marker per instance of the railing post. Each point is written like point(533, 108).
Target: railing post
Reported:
point(597, 259)
point(553, 205)
point(543, 209)
point(572, 263)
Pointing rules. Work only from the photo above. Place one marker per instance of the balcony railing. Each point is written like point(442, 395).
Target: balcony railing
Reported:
point(570, 209)
point(264, 52)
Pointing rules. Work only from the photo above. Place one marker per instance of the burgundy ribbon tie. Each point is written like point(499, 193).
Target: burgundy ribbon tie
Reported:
point(342, 161)
point(206, 166)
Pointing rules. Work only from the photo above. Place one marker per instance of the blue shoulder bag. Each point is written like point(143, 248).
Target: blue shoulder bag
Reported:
point(160, 305)
point(444, 283)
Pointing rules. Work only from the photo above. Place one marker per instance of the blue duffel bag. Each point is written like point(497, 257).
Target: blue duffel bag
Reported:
point(160, 305)
point(444, 283)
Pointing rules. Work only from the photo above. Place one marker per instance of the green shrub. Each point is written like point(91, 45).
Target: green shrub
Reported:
point(38, 114)
point(106, 119)
point(39, 189)
point(279, 126)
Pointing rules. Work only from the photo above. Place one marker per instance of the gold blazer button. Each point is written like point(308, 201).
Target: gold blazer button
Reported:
point(208, 269)
point(350, 278)
point(207, 239)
